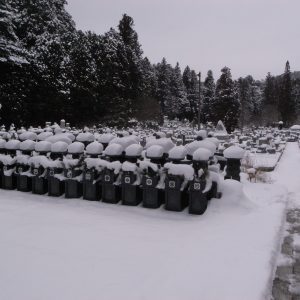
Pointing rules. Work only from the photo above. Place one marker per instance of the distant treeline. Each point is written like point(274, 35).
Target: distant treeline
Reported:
point(49, 70)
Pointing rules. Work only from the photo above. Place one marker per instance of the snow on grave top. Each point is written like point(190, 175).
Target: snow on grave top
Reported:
point(165, 143)
point(220, 128)
point(85, 137)
point(59, 147)
point(75, 148)
point(213, 140)
point(295, 127)
point(105, 138)
point(124, 141)
point(202, 154)
point(134, 150)
point(178, 152)
point(207, 144)
point(61, 137)
point(12, 145)
point(202, 133)
point(43, 146)
point(114, 150)
point(2, 143)
point(155, 151)
point(94, 148)
point(43, 135)
point(234, 152)
point(27, 145)
point(28, 135)
point(186, 171)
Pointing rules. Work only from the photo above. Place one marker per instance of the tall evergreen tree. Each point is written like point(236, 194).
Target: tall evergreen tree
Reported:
point(287, 106)
point(208, 98)
point(226, 106)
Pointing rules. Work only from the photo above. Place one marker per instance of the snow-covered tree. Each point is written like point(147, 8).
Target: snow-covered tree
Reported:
point(226, 106)
point(208, 98)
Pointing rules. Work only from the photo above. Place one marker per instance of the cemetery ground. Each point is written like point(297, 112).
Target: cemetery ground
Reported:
point(57, 248)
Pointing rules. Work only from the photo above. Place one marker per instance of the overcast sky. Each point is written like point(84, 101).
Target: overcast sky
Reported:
point(249, 36)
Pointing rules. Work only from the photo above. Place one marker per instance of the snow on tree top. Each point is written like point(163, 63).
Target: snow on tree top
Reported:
point(27, 145)
point(178, 152)
point(12, 145)
point(220, 128)
point(85, 137)
point(94, 148)
point(202, 154)
point(28, 135)
point(234, 152)
point(43, 146)
point(134, 150)
point(75, 148)
point(59, 147)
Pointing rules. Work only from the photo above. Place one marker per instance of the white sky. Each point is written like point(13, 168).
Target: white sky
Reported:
point(249, 36)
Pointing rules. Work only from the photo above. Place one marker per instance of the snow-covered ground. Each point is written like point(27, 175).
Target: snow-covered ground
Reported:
point(56, 248)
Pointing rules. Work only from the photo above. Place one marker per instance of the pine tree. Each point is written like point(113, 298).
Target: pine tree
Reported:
point(163, 92)
point(208, 98)
point(287, 105)
point(189, 79)
point(226, 106)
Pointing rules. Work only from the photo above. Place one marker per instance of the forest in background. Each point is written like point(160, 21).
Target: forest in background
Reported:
point(49, 70)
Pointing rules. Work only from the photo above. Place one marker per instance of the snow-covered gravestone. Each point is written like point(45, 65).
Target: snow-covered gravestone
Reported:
point(233, 154)
point(221, 132)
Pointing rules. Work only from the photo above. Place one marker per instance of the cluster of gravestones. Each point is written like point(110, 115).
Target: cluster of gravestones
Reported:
point(116, 167)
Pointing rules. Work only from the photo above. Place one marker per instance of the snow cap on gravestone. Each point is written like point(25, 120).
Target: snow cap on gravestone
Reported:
point(12, 145)
point(178, 152)
point(76, 148)
point(27, 145)
point(59, 147)
point(234, 152)
point(134, 150)
point(43, 146)
point(94, 148)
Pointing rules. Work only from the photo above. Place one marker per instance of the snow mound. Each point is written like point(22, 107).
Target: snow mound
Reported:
point(202, 154)
point(105, 138)
point(178, 152)
point(94, 148)
point(165, 143)
point(2, 143)
point(76, 147)
point(234, 152)
point(206, 144)
point(201, 133)
point(233, 196)
point(12, 145)
point(134, 150)
point(186, 171)
point(44, 135)
point(85, 137)
point(129, 167)
point(113, 150)
point(27, 145)
point(28, 135)
point(43, 146)
point(59, 147)
point(295, 127)
point(144, 165)
point(213, 140)
point(124, 141)
point(62, 137)
point(155, 151)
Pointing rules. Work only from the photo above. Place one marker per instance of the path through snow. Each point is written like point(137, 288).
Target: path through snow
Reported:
point(286, 284)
